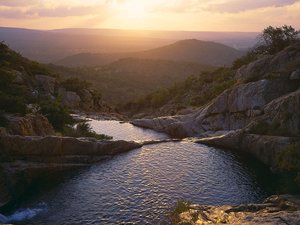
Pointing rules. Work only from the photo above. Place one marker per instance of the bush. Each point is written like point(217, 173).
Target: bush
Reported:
point(83, 129)
point(12, 104)
point(275, 39)
point(290, 160)
point(57, 114)
point(180, 207)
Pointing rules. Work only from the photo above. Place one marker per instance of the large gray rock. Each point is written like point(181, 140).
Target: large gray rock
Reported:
point(281, 117)
point(267, 149)
point(277, 66)
point(70, 99)
point(233, 109)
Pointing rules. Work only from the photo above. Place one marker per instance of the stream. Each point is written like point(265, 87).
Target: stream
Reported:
point(142, 186)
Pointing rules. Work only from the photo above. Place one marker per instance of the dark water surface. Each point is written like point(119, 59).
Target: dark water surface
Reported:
point(141, 186)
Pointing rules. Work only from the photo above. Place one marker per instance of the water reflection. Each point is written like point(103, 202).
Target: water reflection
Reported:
point(141, 186)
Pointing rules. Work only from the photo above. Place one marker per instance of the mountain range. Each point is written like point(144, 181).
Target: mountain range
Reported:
point(48, 46)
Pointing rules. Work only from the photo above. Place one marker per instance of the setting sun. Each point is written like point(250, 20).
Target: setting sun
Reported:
point(134, 8)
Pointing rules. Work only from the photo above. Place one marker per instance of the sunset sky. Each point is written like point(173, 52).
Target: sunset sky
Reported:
point(193, 15)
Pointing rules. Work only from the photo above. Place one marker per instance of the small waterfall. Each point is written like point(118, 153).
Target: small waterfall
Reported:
point(24, 214)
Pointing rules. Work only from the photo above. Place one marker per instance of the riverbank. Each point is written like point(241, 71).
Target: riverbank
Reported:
point(24, 159)
point(284, 209)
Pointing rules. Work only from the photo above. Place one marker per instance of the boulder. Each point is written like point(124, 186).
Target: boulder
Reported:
point(45, 85)
point(70, 99)
point(30, 125)
point(19, 78)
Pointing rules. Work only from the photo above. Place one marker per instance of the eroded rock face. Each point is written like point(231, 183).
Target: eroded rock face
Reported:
point(30, 125)
point(267, 149)
point(283, 209)
point(233, 109)
point(283, 114)
point(278, 66)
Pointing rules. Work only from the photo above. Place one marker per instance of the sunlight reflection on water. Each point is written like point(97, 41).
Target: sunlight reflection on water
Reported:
point(141, 186)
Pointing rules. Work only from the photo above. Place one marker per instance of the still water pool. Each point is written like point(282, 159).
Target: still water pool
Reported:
point(141, 186)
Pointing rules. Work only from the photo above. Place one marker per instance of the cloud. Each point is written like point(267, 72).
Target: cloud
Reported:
point(12, 14)
point(18, 3)
point(236, 6)
point(64, 11)
point(45, 8)
point(229, 6)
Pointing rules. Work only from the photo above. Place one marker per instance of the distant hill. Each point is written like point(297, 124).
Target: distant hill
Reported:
point(192, 50)
point(131, 78)
point(51, 45)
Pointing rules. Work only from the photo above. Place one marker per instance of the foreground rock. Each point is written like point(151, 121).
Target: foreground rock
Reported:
point(29, 125)
point(274, 210)
point(24, 159)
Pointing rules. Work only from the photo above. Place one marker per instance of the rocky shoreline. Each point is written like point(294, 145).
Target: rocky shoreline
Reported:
point(25, 158)
point(284, 209)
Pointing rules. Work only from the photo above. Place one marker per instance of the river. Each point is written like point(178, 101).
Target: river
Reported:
point(142, 186)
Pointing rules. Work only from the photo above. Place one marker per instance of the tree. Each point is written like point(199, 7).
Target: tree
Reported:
point(274, 39)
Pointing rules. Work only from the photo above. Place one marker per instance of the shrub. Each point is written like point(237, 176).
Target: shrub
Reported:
point(12, 104)
point(57, 114)
point(180, 207)
point(83, 129)
point(290, 160)
point(274, 39)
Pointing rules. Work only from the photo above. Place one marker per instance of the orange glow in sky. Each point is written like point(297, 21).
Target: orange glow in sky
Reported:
point(196, 15)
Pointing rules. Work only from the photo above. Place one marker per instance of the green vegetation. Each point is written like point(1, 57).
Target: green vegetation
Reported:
point(180, 207)
point(194, 91)
point(75, 84)
point(271, 41)
point(57, 114)
point(83, 129)
point(124, 80)
point(18, 89)
point(275, 39)
point(290, 160)
point(198, 90)
point(272, 129)
point(13, 97)
point(14, 61)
